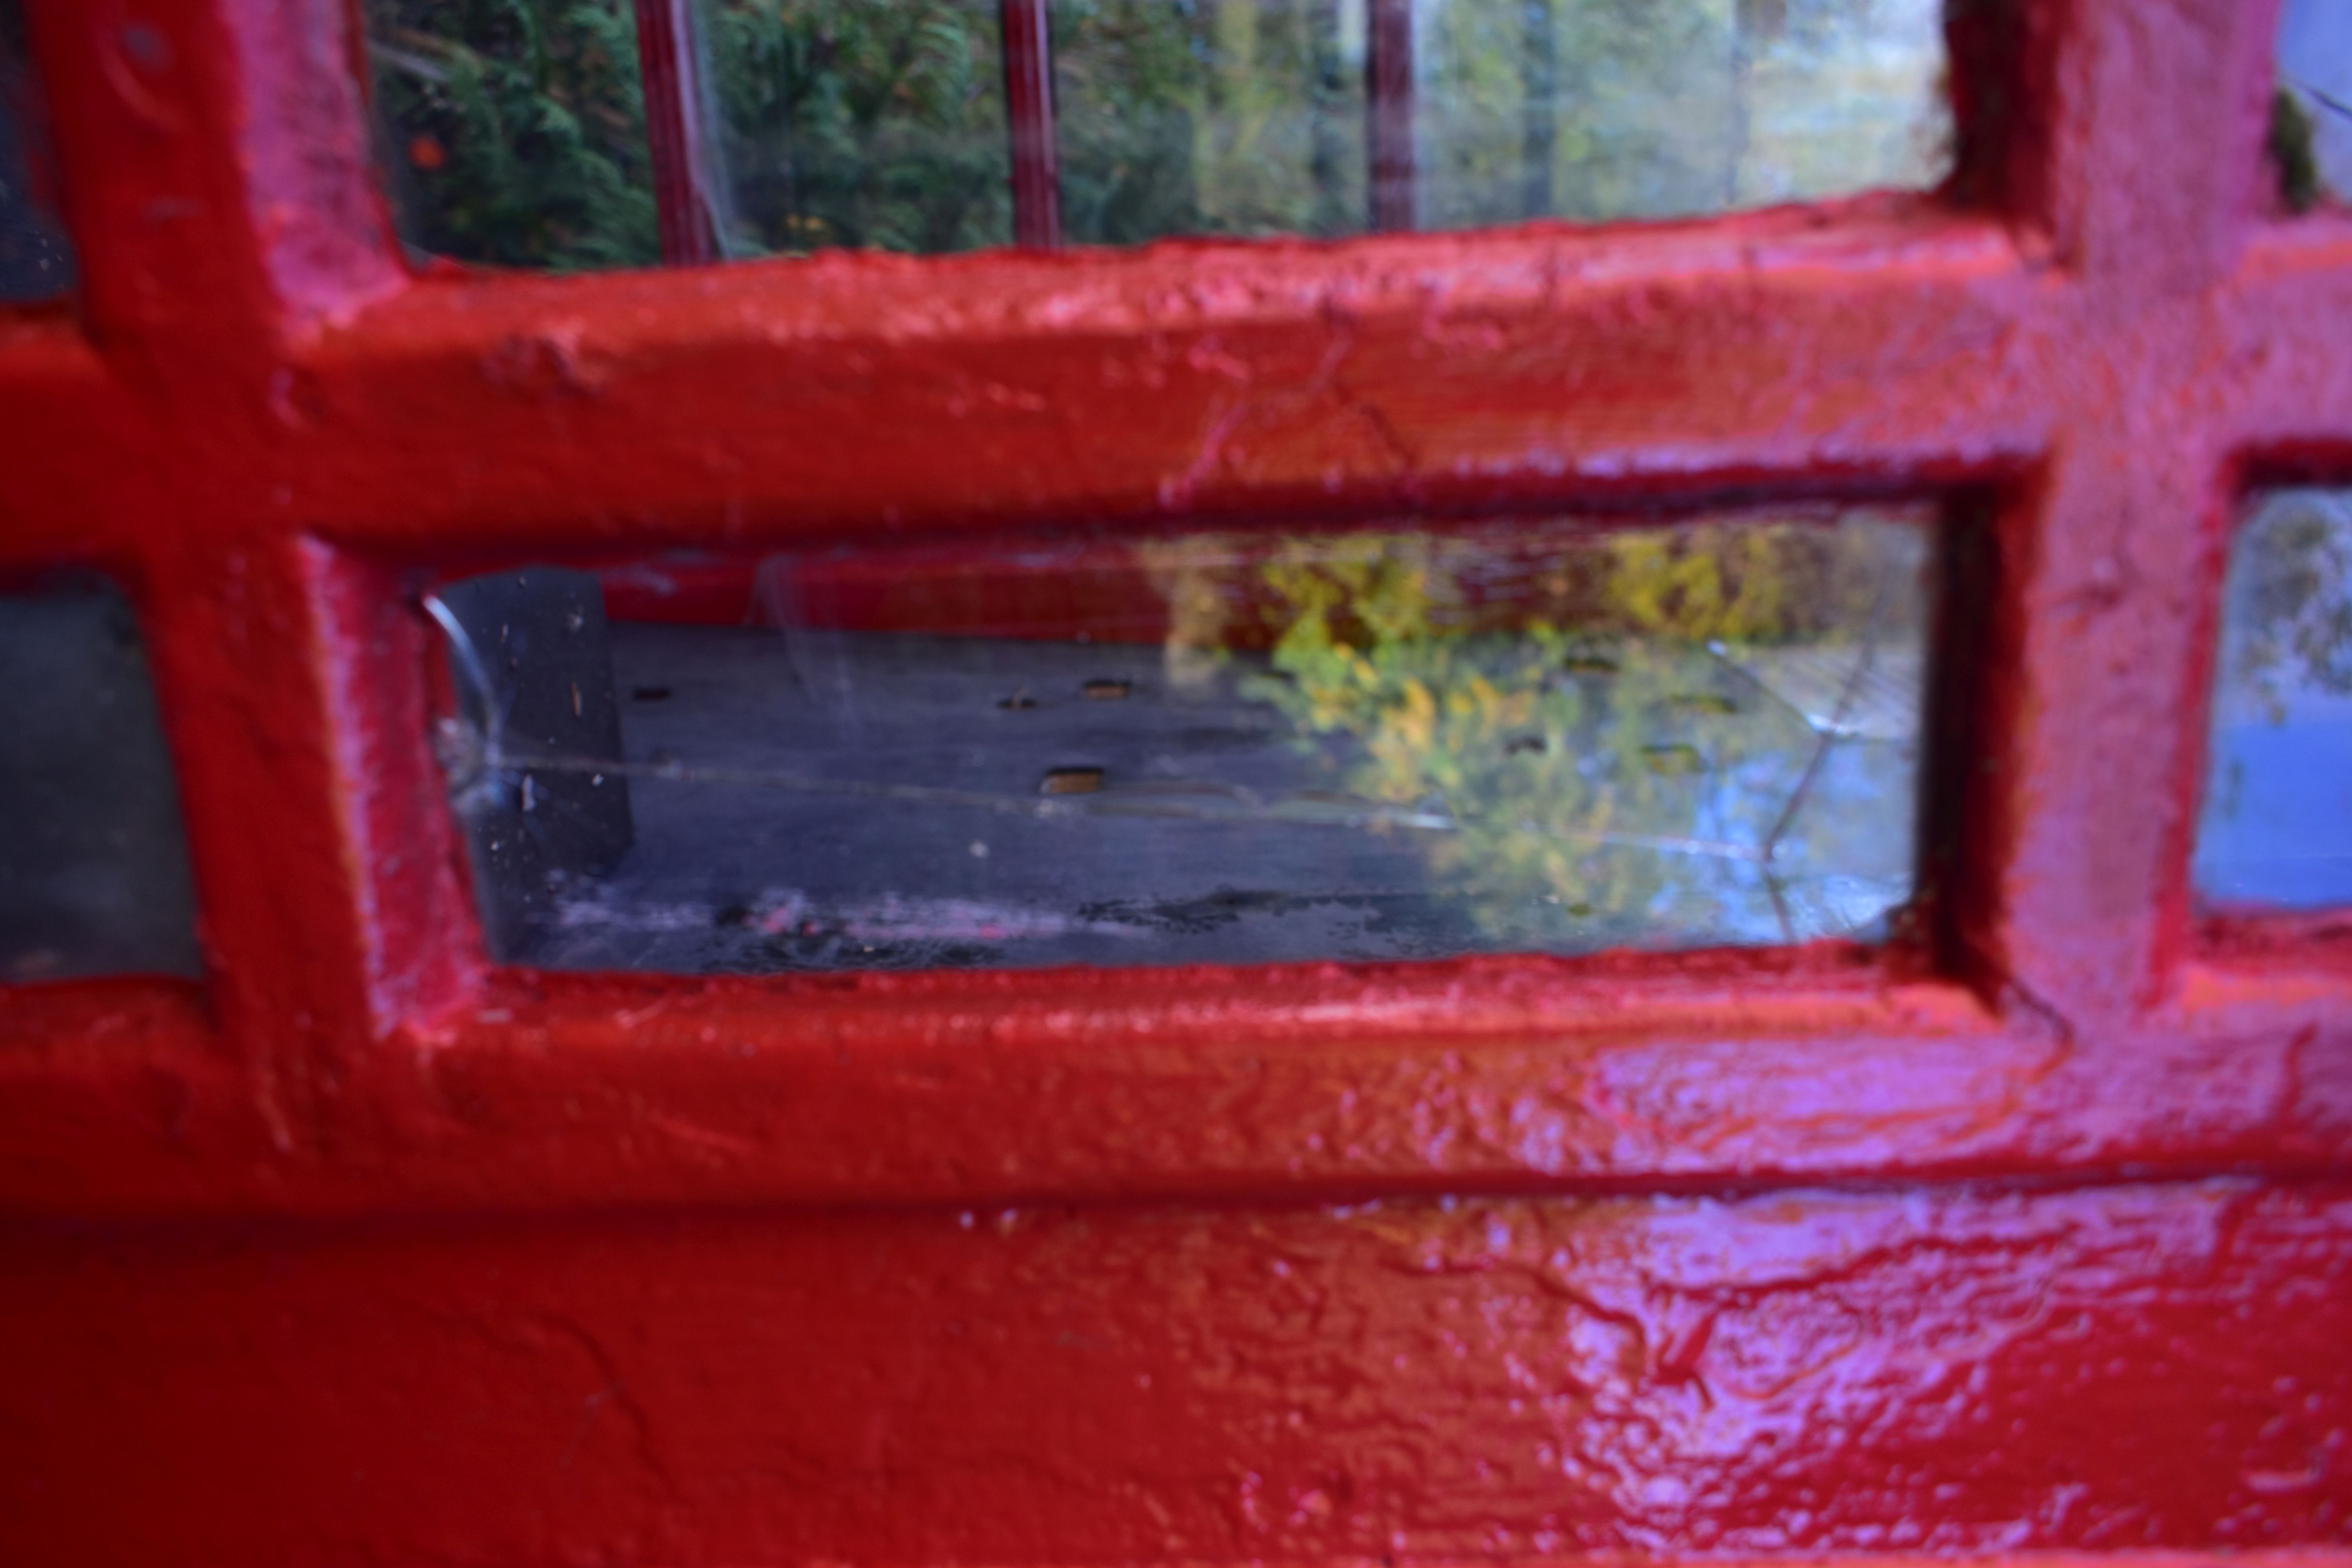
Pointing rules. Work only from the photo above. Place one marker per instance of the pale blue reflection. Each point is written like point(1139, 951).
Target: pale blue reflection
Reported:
point(2276, 828)
point(2314, 64)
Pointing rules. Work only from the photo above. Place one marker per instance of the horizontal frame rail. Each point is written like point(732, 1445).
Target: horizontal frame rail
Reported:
point(261, 424)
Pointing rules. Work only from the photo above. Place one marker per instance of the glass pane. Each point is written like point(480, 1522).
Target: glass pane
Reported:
point(93, 868)
point(860, 122)
point(35, 262)
point(513, 133)
point(2276, 828)
point(1609, 108)
point(2311, 118)
point(1551, 736)
point(1242, 117)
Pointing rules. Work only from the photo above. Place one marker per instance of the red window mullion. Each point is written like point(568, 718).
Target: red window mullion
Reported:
point(682, 197)
point(1387, 114)
point(1029, 118)
point(2085, 860)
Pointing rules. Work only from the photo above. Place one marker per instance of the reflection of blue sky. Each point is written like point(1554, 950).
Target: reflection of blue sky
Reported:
point(2276, 824)
point(2315, 57)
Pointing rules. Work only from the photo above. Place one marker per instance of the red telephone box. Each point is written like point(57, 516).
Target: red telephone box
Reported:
point(2024, 1230)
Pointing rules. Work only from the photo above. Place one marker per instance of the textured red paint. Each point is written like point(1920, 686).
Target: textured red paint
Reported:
point(2029, 1233)
point(1798, 1373)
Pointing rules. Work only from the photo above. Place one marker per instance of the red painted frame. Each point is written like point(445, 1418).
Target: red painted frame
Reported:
point(1389, 141)
point(1026, 37)
point(683, 201)
point(258, 420)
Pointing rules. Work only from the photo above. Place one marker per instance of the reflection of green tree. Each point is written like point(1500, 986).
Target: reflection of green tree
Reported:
point(1624, 105)
point(517, 126)
point(863, 122)
point(1564, 712)
point(1233, 118)
point(2291, 600)
point(516, 130)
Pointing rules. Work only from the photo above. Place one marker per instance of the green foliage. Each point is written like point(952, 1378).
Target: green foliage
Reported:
point(1240, 117)
point(516, 130)
point(861, 122)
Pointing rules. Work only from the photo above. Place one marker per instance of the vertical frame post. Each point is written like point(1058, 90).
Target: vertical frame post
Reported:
point(1388, 113)
point(682, 201)
point(1029, 120)
point(1539, 88)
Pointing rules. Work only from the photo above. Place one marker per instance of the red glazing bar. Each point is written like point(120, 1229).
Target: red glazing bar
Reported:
point(1029, 118)
point(673, 133)
point(1388, 113)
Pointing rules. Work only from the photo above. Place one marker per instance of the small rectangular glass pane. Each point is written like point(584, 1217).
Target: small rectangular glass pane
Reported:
point(36, 261)
point(1600, 108)
point(871, 123)
point(2311, 117)
point(93, 866)
point(1241, 118)
point(1412, 743)
point(513, 133)
point(2276, 825)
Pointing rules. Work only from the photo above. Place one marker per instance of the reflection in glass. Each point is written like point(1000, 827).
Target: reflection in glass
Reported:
point(93, 867)
point(2276, 828)
point(2311, 118)
point(35, 262)
point(860, 122)
point(1218, 748)
point(1601, 109)
point(511, 132)
point(1243, 117)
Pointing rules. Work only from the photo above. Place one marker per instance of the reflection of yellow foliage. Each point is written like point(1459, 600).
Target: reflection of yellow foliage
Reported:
point(1709, 583)
point(1553, 697)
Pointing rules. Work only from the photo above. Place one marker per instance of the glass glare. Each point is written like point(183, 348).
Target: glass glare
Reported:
point(1601, 109)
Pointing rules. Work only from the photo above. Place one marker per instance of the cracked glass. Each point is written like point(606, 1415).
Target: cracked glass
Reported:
point(93, 864)
point(1547, 736)
point(2275, 826)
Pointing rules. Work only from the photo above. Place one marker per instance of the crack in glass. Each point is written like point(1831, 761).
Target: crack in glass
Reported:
point(1397, 743)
